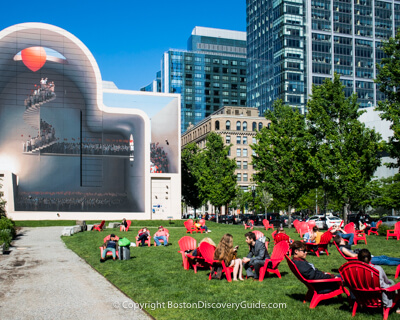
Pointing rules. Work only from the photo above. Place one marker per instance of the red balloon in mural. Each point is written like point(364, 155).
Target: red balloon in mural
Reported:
point(33, 58)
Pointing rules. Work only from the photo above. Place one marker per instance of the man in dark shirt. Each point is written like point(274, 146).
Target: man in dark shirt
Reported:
point(256, 256)
point(308, 270)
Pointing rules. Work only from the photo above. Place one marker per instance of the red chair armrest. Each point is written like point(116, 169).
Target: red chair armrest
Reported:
point(325, 280)
point(393, 288)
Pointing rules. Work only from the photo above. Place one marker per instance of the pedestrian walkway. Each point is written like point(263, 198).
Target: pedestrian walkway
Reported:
point(41, 279)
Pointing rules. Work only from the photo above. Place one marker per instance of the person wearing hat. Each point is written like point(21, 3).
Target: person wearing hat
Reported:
point(161, 234)
point(110, 245)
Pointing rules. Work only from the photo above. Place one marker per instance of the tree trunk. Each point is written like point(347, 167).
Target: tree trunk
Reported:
point(290, 217)
point(345, 212)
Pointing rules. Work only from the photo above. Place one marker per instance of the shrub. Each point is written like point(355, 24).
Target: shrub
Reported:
point(383, 228)
point(8, 224)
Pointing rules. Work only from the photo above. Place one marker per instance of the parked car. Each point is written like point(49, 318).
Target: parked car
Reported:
point(332, 220)
point(390, 220)
point(227, 219)
point(319, 220)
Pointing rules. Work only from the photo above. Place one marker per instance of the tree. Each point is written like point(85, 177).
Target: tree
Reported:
point(344, 153)
point(190, 190)
point(266, 199)
point(388, 80)
point(241, 199)
point(2, 204)
point(216, 172)
point(282, 156)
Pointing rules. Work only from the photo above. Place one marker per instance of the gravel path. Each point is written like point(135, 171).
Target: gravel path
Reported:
point(42, 279)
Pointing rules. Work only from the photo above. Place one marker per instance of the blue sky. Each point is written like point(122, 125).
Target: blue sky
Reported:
point(128, 38)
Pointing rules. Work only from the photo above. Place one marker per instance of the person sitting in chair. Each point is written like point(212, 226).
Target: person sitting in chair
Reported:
point(365, 256)
point(380, 260)
point(143, 236)
point(161, 234)
point(337, 231)
point(256, 256)
point(110, 245)
point(249, 224)
point(225, 251)
point(124, 225)
point(308, 271)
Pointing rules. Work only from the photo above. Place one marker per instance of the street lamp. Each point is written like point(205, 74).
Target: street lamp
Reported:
point(253, 193)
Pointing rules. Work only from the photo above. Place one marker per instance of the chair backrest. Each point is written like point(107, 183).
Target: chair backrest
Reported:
point(141, 230)
point(188, 224)
point(349, 228)
point(202, 222)
point(397, 227)
point(187, 243)
point(280, 249)
point(342, 254)
point(378, 224)
point(363, 281)
point(207, 251)
point(326, 237)
point(102, 224)
point(258, 234)
point(311, 223)
point(295, 271)
point(295, 223)
point(303, 227)
point(281, 237)
point(128, 223)
point(265, 223)
point(108, 238)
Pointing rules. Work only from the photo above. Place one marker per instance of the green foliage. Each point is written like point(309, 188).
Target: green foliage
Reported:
point(241, 199)
point(5, 237)
point(216, 177)
point(383, 228)
point(8, 224)
point(388, 77)
point(344, 152)
point(190, 189)
point(282, 156)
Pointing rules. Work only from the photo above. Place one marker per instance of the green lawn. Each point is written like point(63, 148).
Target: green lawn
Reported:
point(155, 275)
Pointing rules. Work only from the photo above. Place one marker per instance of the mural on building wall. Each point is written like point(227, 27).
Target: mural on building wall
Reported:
point(69, 155)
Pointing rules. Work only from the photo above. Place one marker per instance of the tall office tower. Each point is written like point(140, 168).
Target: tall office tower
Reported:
point(155, 85)
point(209, 75)
point(293, 44)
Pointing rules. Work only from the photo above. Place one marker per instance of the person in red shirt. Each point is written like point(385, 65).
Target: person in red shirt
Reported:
point(161, 234)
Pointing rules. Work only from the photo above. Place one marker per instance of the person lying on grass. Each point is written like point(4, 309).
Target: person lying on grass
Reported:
point(380, 260)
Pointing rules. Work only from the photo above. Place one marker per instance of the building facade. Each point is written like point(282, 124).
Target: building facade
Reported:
point(294, 44)
point(209, 75)
point(238, 127)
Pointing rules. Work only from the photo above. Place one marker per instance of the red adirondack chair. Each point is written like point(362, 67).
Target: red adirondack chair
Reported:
point(310, 284)
point(148, 241)
point(250, 226)
point(277, 256)
point(161, 240)
point(342, 254)
point(394, 232)
point(303, 228)
point(207, 251)
point(397, 272)
point(267, 225)
point(100, 226)
point(259, 235)
point(190, 227)
point(202, 222)
point(311, 224)
point(296, 223)
point(128, 223)
point(109, 252)
point(374, 230)
point(281, 237)
point(322, 245)
point(363, 281)
point(186, 243)
point(358, 236)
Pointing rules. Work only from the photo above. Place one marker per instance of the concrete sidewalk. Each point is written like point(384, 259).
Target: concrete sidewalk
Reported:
point(42, 279)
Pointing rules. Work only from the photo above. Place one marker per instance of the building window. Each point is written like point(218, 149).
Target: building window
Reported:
point(238, 140)
point(254, 140)
point(238, 126)
point(244, 176)
point(228, 125)
point(216, 125)
point(238, 152)
point(244, 126)
point(254, 126)
point(228, 139)
point(244, 152)
point(238, 164)
point(245, 165)
point(245, 140)
point(260, 126)
point(239, 177)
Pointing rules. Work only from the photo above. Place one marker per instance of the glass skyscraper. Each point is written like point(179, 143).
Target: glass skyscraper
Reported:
point(294, 44)
point(209, 75)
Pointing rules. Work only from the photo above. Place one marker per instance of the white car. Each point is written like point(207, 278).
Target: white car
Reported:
point(332, 220)
point(390, 220)
point(319, 220)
